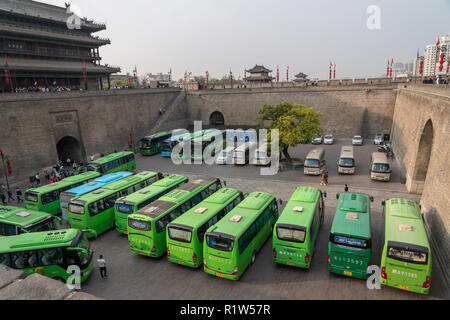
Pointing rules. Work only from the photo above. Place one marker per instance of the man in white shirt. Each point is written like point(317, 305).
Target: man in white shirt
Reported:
point(92, 158)
point(102, 266)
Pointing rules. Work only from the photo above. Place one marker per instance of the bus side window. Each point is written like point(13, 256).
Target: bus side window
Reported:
point(110, 201)
point(49, 257)
point(7, 229)
point(203, 194)
point(24, 260)
point(5, 259)
point(93, 211)
point(162, 223)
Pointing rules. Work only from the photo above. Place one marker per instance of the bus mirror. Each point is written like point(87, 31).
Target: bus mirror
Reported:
point(280, 201)
point(338, 195)
point(371, 199)
point(84, 251)
point(160, 175)
point(383, 203)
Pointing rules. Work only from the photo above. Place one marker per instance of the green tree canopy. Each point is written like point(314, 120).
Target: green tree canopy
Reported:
point(296, 124)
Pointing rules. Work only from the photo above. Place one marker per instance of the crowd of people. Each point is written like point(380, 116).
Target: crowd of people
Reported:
point(47, 89)
point(6, 195)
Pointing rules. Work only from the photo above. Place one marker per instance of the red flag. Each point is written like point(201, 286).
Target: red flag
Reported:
point(438, 41)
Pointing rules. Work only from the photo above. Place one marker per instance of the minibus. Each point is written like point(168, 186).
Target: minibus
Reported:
point(315, 163)
point(379, 168)
point(347, 164)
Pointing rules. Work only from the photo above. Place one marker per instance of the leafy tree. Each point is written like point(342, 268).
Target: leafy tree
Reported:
point(296, 123)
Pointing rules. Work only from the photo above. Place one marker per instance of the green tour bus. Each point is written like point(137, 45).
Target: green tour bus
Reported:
point(406, 257)
point(188, 140)
point(94, 212)
point(15, 221)
point(147, 227)
point(207, 144)
point(350, 244)
point(185, 234)
point(46, 198)
point(48, 253)
point(296, 231)
point(231, 245)
point(115, 162)
point(136, 201)
point(151, 145)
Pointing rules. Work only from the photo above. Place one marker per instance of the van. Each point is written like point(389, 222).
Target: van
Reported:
point(242, 153)
point(262, 155)
point(226, 156)
point(347, 164)
point(379, 167)
point(315, 163)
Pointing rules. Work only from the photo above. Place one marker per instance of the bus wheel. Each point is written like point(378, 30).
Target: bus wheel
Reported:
point(253, 258)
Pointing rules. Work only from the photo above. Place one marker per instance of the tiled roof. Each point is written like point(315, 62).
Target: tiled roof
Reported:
point(257, 69)
point(44, 11)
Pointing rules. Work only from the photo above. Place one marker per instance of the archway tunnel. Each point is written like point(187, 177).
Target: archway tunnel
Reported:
point(69, 147)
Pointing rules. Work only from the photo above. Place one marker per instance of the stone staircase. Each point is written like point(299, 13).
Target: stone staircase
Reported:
point(175, 117)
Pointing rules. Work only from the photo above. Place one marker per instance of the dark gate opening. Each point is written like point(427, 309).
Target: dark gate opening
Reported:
point(217, 119)
point(69, 147)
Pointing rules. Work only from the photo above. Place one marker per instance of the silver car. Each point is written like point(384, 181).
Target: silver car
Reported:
point(329, 139)
point(357, 141)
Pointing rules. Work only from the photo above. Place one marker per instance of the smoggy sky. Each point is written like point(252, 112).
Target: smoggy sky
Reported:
point(213, 35)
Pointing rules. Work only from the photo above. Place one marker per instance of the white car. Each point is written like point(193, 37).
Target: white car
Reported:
point(226, 156)
point(379, 139)
point(357, 141)
point(329, 139)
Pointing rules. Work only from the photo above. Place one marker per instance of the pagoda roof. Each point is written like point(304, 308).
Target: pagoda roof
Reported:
point(301, 75)
point(19, 64)
point(257, 69)
point(51, 35)
point(45, 11)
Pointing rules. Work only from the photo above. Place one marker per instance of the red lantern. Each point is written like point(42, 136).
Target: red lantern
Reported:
point(245, 75)
point(421, 67)
point(278, 74)
point(207, 78)
point(287, 74)
point(2, 154)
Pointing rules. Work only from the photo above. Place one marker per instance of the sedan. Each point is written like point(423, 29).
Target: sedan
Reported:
point(378, 139)
point(329, 139)
point(317, 140)
point(357, 141)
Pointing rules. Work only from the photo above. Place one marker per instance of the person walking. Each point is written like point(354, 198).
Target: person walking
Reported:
point(92, 158)
point(324, 179)
point(19, 195)
point(38, 178)
point(3, 198)
point(346, 188)
point(10, 196)
point(102, 266)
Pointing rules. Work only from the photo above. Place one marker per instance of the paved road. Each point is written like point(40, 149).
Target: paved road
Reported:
point(137, 277)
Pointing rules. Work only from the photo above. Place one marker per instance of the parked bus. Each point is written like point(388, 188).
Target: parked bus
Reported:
point(169, 144)
point(243, 151)
point(406, 257)
point(151, 145)
point(208, 144)
point(15, 221)
point(262, 155)
point(188, 141)
point(95, 184)
point(147, 227)
point(135, 201)
point(115, 162)
point(46, 198)
point(231, 245)
point(226, 156)
point(315, 163)
point(350, 245)
point(347, 164)
point(48, 253)
point(296, 231)
point(185, 234)
point(380, 169)
point(93, 213)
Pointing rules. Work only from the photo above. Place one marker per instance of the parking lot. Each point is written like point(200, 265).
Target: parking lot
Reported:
point(137, 277)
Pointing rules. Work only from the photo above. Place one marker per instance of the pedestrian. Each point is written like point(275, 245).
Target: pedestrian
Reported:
point(92, 158)
point(38, 179)
point(46, 176)
point(102, 266)
point(68, 162)
point(326, 178)
point(346, 188)
point(19, 195)
point(10, 197)
point(3, 198)
point(322, 183)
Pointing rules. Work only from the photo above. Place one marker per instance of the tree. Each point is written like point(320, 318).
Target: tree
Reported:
point(295, 122)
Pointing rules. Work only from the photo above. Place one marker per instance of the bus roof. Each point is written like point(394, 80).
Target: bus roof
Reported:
point(305, 198)
point(21, 217)
point(111, 157)
point(380, 157)
point(158, 135)
point(315, 153)
point(208, 135)
point(38, 240)
point(404, 223)
point(352, 216)
point(248, 209)
point(115, 186)
point(65, 182)
point(177, 137)
point(154, 189)
point(213, 204)
point(347, 152)
point(99, 182)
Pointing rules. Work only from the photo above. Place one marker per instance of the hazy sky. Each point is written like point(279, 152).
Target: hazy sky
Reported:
point(213, 35)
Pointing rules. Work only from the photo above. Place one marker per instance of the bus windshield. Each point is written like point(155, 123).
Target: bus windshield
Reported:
point(380, 168)
point(311, 163)
point(92, 166)
point(220, 243)
point(125, 208)
point(46, 225)
point(31, 196)
point(413, 256)
point(83, 243)
point(179, 234)
point(166, 146)
point(346, 162)
point(350, 242)
point(76, 208)
point(140, 225)
point(291, 234)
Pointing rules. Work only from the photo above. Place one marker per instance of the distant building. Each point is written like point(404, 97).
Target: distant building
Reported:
point(259, 74)
point(39, 47)
point(301, 77)
point(432, 57)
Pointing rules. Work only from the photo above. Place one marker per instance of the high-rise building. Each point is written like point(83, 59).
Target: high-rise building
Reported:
point(432, 57)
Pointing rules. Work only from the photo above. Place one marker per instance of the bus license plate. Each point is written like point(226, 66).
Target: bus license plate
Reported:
point(181, 262)
point(290, 264)
point(348, 273)
point(380, 179)
point(219, 275)
point(403, 287)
